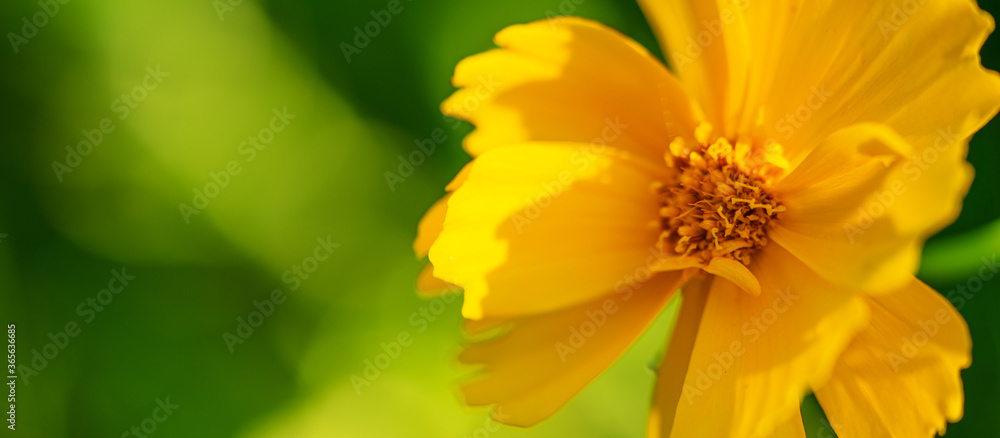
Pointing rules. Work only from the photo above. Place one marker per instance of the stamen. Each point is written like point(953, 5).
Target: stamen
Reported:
point(719, 204)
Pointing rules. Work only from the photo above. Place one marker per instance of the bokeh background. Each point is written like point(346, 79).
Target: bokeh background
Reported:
point(225, 68)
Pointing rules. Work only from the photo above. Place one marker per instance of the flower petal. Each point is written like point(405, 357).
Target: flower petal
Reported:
point(569, 80)
point(850, 164)
point(791, 428)
point(735, 272)
point(916, 70)
point(673, 369)
point(839, 220)
point(709, 66)
point(543, 361)
point(915, 67)
point(755, 357)
point(900, 376)
point(429, 286)
point(539, 227)
point(430, 227)
point(726, 51)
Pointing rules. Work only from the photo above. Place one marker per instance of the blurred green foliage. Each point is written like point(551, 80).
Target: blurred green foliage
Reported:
point(226, 72)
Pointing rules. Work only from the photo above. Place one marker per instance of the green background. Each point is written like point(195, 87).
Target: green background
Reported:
point(321, 177)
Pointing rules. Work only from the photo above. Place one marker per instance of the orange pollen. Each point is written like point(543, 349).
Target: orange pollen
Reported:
point(718, 204)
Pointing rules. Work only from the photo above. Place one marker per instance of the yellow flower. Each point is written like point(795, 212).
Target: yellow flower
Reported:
point(783, 177)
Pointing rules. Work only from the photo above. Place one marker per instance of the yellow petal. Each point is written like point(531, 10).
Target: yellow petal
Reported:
point(900, 376)
point(735, 272)
point(916, 70)
point(756, 357)
point(460, 178)
point(545, 360)
point(428, 230)
point(709, 53)
point(432, 222)
point(915, 67)
point(842, 171)
point(768, 27)
point(673, 369)
point(429, 286)
point(727, 52)
point(569, 80)
point(838, 219)
point(791, 428)
point(430, 227)
point(539, 227)
point(666, 262)
point(795, 71)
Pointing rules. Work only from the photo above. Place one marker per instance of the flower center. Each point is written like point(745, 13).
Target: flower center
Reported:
point(718, 204)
